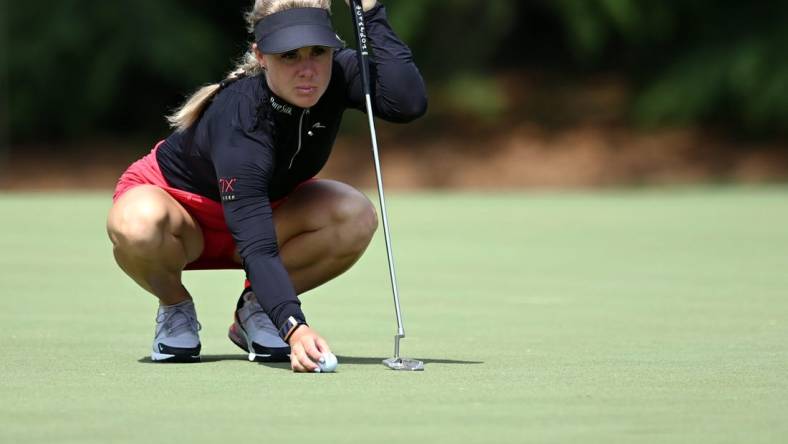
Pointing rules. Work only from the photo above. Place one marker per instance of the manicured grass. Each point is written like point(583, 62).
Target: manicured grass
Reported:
point(621, 316)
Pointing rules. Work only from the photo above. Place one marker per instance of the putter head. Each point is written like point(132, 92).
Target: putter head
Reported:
point(404, 364)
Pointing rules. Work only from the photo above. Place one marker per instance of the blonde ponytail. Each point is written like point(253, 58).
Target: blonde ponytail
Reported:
point(188, 113)
point(185, 116)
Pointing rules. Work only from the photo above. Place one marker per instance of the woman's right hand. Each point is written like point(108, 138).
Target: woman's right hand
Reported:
point(306, 346)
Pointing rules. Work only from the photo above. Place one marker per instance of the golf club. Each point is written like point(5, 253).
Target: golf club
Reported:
point(397, 362)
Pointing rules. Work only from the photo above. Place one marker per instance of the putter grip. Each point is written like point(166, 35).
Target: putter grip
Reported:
point(357, 12)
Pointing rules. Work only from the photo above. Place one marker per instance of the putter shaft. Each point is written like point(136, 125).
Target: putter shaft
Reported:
point(386, 232)
point(357, 13)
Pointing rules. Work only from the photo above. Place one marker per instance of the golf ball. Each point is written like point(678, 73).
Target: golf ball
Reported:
point(327, 362)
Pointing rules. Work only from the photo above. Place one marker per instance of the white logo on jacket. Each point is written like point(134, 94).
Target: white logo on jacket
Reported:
point(286, 109)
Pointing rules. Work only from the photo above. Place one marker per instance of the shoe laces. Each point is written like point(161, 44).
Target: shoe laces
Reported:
point(177, 324)
point(257, 315)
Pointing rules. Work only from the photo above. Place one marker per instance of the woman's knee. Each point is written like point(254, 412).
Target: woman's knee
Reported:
point(356, 221)
point(138, 225)
point(344, 215)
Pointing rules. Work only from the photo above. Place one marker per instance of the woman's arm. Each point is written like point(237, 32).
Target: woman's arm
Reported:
point(243, 158)
point(398, 90)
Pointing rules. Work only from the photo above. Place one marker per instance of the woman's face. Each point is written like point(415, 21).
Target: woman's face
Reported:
point(300, 76)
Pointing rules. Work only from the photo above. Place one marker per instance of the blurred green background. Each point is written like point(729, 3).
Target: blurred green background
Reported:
point(704, 83)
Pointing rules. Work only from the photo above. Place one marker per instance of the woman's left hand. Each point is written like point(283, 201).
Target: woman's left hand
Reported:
point(366, 4)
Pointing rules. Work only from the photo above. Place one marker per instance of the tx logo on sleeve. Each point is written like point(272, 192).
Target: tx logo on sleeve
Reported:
point(227, 188)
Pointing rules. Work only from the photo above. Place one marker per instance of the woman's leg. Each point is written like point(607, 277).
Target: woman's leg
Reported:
point(322, 229)
point(153, 239)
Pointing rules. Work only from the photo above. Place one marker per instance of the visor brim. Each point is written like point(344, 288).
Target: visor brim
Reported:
point(299, 36)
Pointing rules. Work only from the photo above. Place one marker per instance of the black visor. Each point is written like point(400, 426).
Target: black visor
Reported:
point(295, 28)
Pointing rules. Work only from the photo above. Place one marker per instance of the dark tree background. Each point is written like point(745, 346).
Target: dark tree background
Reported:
point(76, 69)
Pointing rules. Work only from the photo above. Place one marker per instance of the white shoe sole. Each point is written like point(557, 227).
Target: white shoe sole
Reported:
point(163, 357)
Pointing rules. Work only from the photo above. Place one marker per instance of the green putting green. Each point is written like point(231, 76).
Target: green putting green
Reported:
point(595, 317)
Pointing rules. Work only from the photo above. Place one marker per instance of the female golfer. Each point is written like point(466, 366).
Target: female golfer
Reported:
point(233, 186)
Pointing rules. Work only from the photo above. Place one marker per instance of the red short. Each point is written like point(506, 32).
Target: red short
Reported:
point(219, 247)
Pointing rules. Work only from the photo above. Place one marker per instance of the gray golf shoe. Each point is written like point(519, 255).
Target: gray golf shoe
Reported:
point(177, 338)
point(254, 332)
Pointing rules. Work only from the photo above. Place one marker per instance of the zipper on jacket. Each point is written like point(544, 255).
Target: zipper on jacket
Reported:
point(300, 135)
